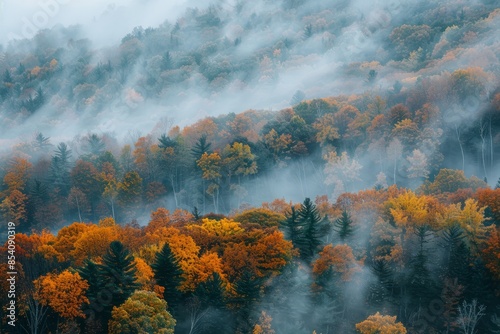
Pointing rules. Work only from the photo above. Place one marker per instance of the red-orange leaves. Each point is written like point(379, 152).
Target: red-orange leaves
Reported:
point(337, 258)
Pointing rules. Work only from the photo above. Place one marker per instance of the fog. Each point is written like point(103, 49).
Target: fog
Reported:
point(104, 23)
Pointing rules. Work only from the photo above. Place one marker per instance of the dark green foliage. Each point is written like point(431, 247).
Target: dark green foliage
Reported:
point(90, 272)
point(166, 142)
point(7, 77)
point(372, 75)
point(59, 168)
point(380, 290)
point(420, 283)
point(344, 226)
point(118, 273)
point(291, 226)
point(168, 274)
point(312, 229)
point(298, 97)
point(196, 213)
point(457, 255)
point(248, 291)
point(201, 146)
point(41, 141)
point(95, 145)
point(211, 292)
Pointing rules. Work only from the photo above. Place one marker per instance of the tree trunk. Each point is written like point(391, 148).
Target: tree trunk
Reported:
point(78, 207)
point(461, 148)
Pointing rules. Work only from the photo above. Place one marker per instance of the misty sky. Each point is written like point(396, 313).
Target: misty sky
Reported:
point(97, 16)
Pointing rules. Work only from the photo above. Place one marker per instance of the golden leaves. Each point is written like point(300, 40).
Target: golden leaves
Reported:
point(64, 293)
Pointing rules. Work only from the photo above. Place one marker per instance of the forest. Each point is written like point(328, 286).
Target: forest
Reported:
point(288, 167)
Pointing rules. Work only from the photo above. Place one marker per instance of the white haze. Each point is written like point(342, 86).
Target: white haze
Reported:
point(105, 23)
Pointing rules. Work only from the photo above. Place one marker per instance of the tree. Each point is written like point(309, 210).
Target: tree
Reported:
point(90, 273)
point(344, 226)
point(408, 38)
point(264, 325)
point(210, 165)
point(394, 152)
point(326, 132)
point(291, 226)
point(312, 229)
point(64, 293)
point(341, 169)
point(297, 97)
point(200, 147)
point(130, 189)
point(60, 166)
point(246, 292)
point(419, 167)
point(491, 254)
point(382, 324)
point(143, 312)
point(469, 315)
point(118, 273)
point(212, 292)
point(381, 289)
point(338, 261)
point(94, 144)
point(168, 274)
point(397, 114)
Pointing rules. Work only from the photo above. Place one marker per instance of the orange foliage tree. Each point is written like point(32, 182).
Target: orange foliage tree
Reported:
point(339, 259)
point(64, 293)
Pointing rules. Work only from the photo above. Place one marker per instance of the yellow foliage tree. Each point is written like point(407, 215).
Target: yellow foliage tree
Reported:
point(380, 324)
point(93, 243)
point(144, 274)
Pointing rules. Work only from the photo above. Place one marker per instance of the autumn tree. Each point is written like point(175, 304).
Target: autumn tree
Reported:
point(129, 189)
point(210, 164)
point(264, 325)
point(341, 171)
point(64, 293)
point(383, 324)
point(142, 312)
point(238, 160)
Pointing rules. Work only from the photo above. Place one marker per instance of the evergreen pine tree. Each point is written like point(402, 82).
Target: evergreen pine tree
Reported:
point(118, 273)
point(90, 272)
point(200, 147)
point(211, 292)
point(380, 290)
point(457, 255)
point(344, 226)
point(166, 142)
point(247, 290)
point(168, 274)
point(420, 284)
point(312, 228)
point(291, 226)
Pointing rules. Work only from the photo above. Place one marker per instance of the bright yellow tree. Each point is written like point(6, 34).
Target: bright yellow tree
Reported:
point(380, 324)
